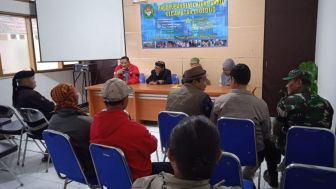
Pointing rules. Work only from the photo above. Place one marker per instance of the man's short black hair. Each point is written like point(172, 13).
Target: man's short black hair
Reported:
point(241, 74)
point(125, 57)
point(194, 144)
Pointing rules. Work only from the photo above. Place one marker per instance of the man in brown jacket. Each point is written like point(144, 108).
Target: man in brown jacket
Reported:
point(191, 98)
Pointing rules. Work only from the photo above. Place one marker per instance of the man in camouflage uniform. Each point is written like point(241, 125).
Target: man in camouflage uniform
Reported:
point(300, 107)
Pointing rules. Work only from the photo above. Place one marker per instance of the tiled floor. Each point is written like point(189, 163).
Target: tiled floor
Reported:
point(33, 174)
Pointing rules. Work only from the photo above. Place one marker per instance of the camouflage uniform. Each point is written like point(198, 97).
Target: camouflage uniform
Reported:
point(303, 109)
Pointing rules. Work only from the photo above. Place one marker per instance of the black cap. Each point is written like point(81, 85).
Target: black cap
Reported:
point(24, 74)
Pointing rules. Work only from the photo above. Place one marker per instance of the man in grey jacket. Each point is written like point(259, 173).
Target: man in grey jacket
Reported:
point(240, 103)
point(193, 153)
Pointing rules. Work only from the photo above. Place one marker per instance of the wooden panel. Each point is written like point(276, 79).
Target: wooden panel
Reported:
point(290, 32)
point(149, 109)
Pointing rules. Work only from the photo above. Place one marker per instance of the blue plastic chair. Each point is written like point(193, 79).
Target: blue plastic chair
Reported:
point(111, 167)
point(167, 120)
point(64, 158)
point(142, 78)
point(308, 145)
point(228, 172)
point(308, 177)
point(175, 79)
point(238, 137)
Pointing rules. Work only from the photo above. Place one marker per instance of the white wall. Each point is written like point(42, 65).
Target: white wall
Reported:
point(45, 82)
point(326, 51)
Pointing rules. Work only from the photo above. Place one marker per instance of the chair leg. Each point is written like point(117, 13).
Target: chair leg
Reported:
point(66, 182)
point(164, 157)
point(20, 145)
point(157, 156)
point(24, 152)
point(259, 179)
point(11, 172)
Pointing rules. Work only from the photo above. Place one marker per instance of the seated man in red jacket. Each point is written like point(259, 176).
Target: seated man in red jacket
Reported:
point(113, 128)
point(127, 71)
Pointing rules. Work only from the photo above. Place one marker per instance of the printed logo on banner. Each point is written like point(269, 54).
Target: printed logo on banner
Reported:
point(148, 11)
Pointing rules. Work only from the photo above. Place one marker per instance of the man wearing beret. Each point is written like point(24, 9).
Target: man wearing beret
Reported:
point(24, 95)
point(300, 107)
point(191, 98)
point(160, 75)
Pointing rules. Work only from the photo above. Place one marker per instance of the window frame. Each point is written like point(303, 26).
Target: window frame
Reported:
point(31, 48)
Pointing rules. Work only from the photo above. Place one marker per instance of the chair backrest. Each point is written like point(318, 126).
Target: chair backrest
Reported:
point(6, 115)
point(308, 177)
point(142, 78)
point(175, 79)
point(6, 112)
point(238, 137)
point(167, 120)
point(228, 171)
point(36, 121)
point(308, 145)
point(111, 167)
point(32, 115)
point(63, 156)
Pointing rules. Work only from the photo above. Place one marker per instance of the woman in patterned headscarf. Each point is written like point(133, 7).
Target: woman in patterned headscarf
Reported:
point(65, 96)
point(69, 120)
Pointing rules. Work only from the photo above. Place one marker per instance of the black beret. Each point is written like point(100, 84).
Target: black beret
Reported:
point(24, 74)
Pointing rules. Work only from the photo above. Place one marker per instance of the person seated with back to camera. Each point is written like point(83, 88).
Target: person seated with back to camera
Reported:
point(196, 62)
point(70, 120)
point(191, 98)
point(127, 71)
point(194, 150)
point(113, 127)
point(160, 75)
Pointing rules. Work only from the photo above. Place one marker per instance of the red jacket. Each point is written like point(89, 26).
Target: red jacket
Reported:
point(113, 128)
point(133, 76)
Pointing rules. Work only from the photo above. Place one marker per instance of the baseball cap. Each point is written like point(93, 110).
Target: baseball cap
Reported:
point(296, 73)
point(115, 90)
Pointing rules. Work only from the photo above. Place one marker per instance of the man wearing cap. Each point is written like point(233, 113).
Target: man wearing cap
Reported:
point(160, 75)
point(24, 95)
point(241, 103)
point(191, 98)
point(196, 62)
point(127, 71)
point(300, 107)
point(112, 127)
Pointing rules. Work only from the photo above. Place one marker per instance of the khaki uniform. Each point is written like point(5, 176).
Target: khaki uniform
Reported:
point(168, 181)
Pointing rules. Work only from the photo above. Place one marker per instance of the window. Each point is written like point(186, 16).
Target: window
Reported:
point(14, 52)
point(40, 65)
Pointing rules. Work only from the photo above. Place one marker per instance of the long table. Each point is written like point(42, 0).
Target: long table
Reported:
point(147, 100)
